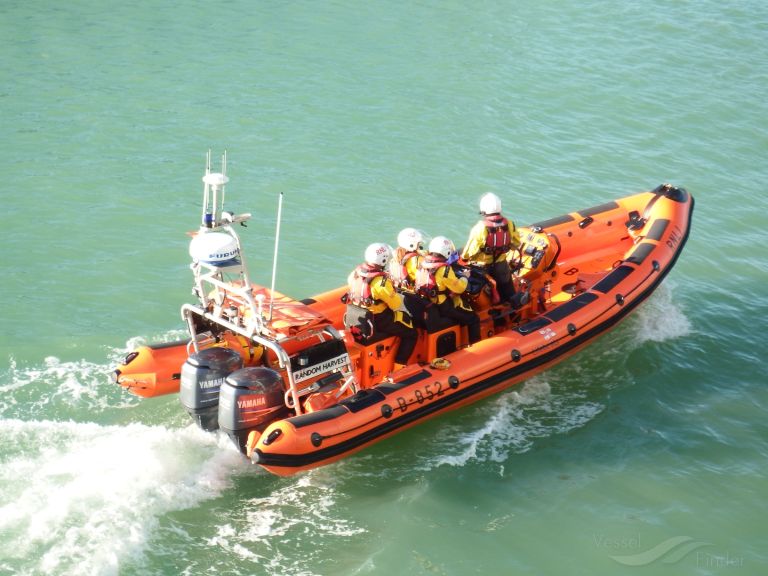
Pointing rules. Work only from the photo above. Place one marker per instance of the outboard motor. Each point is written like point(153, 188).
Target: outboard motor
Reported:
point(201, 378)
point(250, 399)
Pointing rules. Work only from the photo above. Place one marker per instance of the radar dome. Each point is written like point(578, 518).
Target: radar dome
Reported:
point(214, 249)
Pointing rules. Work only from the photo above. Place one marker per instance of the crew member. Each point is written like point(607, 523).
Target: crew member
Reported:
point(489, 242)
point(405, 263)
point(403, 267)
point(370, 288)
point(437, 281)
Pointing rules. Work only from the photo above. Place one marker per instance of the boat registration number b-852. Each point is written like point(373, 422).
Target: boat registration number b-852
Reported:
point(423, 394)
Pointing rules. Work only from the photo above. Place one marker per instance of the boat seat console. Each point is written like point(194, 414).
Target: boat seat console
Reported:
point(375, 357)
point(441, 342)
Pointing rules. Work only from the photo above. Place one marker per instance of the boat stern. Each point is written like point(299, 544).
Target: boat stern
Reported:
point(152, 370)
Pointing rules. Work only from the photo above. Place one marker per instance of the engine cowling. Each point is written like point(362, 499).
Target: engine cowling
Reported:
point(201, 378)
point(250, 399)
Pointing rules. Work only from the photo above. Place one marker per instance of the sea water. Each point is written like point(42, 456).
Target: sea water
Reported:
point(645, 453)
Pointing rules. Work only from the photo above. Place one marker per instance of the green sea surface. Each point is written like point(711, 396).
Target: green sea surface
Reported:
point(647, 453)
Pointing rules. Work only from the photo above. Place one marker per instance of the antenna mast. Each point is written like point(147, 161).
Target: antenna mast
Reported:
point(274, 258)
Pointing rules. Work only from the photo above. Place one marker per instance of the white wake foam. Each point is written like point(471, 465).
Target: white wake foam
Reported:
point(514, 421)
point(59, 387)
point(305, 510)
point(79, 498)
point(660, 318)
point(68, 388)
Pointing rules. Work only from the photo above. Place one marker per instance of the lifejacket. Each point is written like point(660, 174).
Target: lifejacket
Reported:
point(426, 284)
point(403, 279)
point(360, 287)
point(499, 240)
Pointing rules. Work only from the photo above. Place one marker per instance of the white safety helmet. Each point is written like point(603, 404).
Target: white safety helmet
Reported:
point(378, 254)
point(490, 204)
point(410, 239)
point(443, 246)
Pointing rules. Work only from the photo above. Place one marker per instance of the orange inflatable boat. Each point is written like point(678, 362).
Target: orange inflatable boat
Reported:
point(288, 382)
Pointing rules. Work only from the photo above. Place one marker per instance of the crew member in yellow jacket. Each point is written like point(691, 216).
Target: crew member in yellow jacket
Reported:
point(436, 281)
point(402, 271)
point(371, 289)
point(490, 240)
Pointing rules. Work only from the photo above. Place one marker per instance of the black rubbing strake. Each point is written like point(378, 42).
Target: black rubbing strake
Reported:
point(613, 279)
point(641, 252)
point(552, 222)
point(389, 387)
point(362, 399)
point(317, 417)
point(568, 308)
point(658, 229)
point(533, 325)
point(598, 209)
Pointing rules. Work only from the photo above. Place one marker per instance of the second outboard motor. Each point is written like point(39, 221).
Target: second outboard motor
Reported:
point(250, 399)
point(201, 378)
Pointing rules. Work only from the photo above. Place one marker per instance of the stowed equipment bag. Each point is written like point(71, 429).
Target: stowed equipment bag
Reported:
point(359, 322)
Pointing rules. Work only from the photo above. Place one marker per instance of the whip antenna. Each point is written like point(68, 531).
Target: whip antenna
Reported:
point(274, 259)
point(224, 172)
point(206, 221)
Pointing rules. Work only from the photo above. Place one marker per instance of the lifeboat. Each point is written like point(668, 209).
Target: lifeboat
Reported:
point(295, 388)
